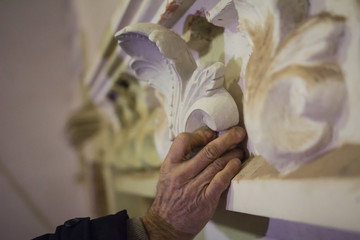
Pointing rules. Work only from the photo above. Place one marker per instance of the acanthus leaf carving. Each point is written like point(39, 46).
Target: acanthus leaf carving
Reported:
point(194, 96)
point(294, 90)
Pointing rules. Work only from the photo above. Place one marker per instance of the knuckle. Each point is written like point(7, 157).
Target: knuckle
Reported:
point(218, 165)
point(210, 152)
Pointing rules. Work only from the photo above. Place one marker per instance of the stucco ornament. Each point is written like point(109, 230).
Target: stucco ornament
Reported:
point(294, 90)
point(194, 95)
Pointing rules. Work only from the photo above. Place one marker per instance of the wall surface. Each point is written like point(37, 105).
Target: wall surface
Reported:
point(93, 16)
point(39, 72)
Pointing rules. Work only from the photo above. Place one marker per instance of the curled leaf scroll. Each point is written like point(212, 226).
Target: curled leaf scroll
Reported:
point(194, 95)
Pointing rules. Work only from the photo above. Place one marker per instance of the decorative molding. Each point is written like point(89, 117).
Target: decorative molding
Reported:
point(294, 89)
point(194, 96)
point(297, 196)
point(100, 75)
point(198, 33)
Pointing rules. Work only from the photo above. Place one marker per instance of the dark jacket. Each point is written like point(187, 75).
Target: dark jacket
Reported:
point(108, 227)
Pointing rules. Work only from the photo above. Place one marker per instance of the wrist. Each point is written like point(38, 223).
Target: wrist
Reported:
point(157, 228)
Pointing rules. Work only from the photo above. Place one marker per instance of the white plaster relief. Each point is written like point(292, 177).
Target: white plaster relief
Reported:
point(294, 90)
point(194, 96)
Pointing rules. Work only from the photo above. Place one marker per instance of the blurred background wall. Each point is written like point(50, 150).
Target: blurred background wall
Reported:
point(42, 48)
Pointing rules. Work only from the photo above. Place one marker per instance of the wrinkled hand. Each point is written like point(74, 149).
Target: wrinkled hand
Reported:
point(189, 189)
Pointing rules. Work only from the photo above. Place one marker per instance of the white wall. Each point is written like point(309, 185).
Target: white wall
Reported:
point(38, 78)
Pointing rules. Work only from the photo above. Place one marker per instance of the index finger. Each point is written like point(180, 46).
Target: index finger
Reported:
point(214, 150)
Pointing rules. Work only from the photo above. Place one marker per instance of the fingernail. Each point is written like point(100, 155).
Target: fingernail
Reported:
point(240, 132)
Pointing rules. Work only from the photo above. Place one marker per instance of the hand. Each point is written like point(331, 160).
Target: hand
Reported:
point(189, 190)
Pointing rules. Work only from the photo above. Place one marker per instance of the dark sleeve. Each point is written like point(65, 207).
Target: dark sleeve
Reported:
point(108, 227)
